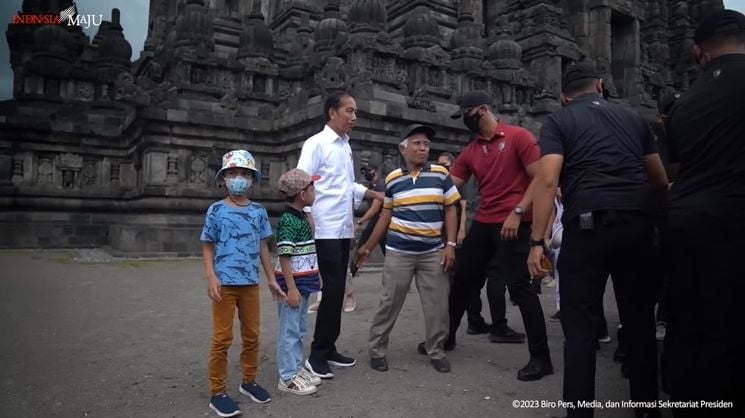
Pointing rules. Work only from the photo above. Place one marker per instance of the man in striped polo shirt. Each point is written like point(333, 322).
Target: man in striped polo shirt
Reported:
point(419, 199)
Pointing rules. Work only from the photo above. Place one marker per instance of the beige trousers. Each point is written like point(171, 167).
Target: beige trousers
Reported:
point(433, 286)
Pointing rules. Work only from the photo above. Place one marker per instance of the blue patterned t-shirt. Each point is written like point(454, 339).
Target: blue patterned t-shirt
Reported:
point(237, 234)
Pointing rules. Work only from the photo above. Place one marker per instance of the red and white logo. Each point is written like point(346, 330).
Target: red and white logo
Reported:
point(69, 17)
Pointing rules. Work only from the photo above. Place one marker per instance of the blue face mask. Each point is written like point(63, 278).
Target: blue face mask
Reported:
point(238, 186)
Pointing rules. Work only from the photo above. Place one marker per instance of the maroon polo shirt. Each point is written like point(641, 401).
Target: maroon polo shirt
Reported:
point(499, 170)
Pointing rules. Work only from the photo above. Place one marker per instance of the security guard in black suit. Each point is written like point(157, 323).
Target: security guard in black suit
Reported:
point(704, 236)
point(606, 160)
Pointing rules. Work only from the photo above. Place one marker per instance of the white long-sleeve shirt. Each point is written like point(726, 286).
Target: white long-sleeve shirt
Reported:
point(328, 155)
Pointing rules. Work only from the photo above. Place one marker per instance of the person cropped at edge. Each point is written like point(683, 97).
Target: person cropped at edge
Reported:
point(704, 233)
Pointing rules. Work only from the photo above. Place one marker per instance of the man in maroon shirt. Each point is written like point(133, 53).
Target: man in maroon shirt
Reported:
point(503, 159)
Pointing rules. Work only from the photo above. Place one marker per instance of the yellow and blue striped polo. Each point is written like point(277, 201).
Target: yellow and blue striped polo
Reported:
point(418, 203)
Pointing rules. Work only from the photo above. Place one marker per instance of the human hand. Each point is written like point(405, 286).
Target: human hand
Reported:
point(293, 298)
point(461, 236)
point(362, 254)
point(277, 292)
point(510, 226)
point(535, 266)
point(448, 258)
point(213, 288)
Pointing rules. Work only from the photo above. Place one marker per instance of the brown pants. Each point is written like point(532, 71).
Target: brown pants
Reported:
point(433, 285)
point(246, 299)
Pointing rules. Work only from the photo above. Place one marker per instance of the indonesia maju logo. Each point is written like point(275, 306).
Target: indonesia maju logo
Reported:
point(69, 16)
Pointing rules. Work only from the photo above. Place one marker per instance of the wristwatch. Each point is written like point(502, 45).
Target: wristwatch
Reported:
point(519, 211)
point(537, 243)
point(452, 244)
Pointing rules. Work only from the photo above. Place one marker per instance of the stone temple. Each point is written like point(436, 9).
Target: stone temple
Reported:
point(100, 150)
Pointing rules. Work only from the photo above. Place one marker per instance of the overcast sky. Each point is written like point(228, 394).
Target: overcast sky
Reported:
point(134, 15)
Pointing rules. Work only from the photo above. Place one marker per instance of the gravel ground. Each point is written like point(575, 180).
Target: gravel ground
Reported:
point(85, 334)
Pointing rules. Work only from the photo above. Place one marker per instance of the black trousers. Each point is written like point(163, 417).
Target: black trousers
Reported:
point(473, 303)
point(704, 348)
point(620, 244)
point(482, 243)
point(333, 258)
point(364, 236)
point(496, 289)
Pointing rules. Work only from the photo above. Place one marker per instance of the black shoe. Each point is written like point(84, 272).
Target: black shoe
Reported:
point(319, 368)
point(449, 346)
point(506, 335)
point(450, 343)
point(380, 364)
point(555, 317)
point(336, 359)
point(535, 369)
point(478, 328)
point(442, 365)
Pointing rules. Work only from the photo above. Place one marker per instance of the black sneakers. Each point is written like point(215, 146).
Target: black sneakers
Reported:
point(336, 359)
point(319, 368)
point(506, 335)
point(478, 328)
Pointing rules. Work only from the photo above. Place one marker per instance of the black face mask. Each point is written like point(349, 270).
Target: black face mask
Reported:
point(472, 122)
point(369, 175)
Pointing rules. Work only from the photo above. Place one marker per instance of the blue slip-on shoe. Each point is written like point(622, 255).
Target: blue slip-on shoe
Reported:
point(255, 392)
point(224, 406)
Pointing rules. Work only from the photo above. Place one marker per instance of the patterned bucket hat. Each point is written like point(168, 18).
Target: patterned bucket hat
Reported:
point(240, 159)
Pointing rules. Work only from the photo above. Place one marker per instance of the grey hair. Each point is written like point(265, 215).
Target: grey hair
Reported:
point(404, 143)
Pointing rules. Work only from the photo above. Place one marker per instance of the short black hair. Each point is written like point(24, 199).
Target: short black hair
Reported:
point(333, 101)
point(579, 85)
point(725, 39)
point(448, 155)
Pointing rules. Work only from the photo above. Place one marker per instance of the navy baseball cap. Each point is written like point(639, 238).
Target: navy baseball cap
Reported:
point(417, 127)
point(579, 71)
point(471, 100)
point(721, 22)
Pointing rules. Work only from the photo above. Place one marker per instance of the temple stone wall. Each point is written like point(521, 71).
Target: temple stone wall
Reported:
point(99, 150)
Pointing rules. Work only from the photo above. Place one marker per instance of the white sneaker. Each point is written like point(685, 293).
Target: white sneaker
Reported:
point(661, 331)
point(297, 385)
point(350, 304)
point(313, 308)
point(309, 377)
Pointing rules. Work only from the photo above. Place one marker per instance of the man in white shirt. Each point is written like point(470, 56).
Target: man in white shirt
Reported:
point(328, 155)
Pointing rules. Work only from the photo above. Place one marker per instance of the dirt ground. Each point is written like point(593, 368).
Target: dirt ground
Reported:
point(130, 339)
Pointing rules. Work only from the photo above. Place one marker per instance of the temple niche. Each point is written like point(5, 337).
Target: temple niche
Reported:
point(100, 150)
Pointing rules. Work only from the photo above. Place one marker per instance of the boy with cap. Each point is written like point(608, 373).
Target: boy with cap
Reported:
point(234, 241)
point(297, 275)
point(419, 199)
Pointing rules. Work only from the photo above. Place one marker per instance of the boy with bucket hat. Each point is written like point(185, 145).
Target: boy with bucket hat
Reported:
point(234, 242)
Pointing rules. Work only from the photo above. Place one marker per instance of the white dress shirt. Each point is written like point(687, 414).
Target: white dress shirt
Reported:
point(328, 155)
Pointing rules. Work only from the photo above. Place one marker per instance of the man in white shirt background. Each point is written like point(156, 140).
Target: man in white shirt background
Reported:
point(328, 155)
